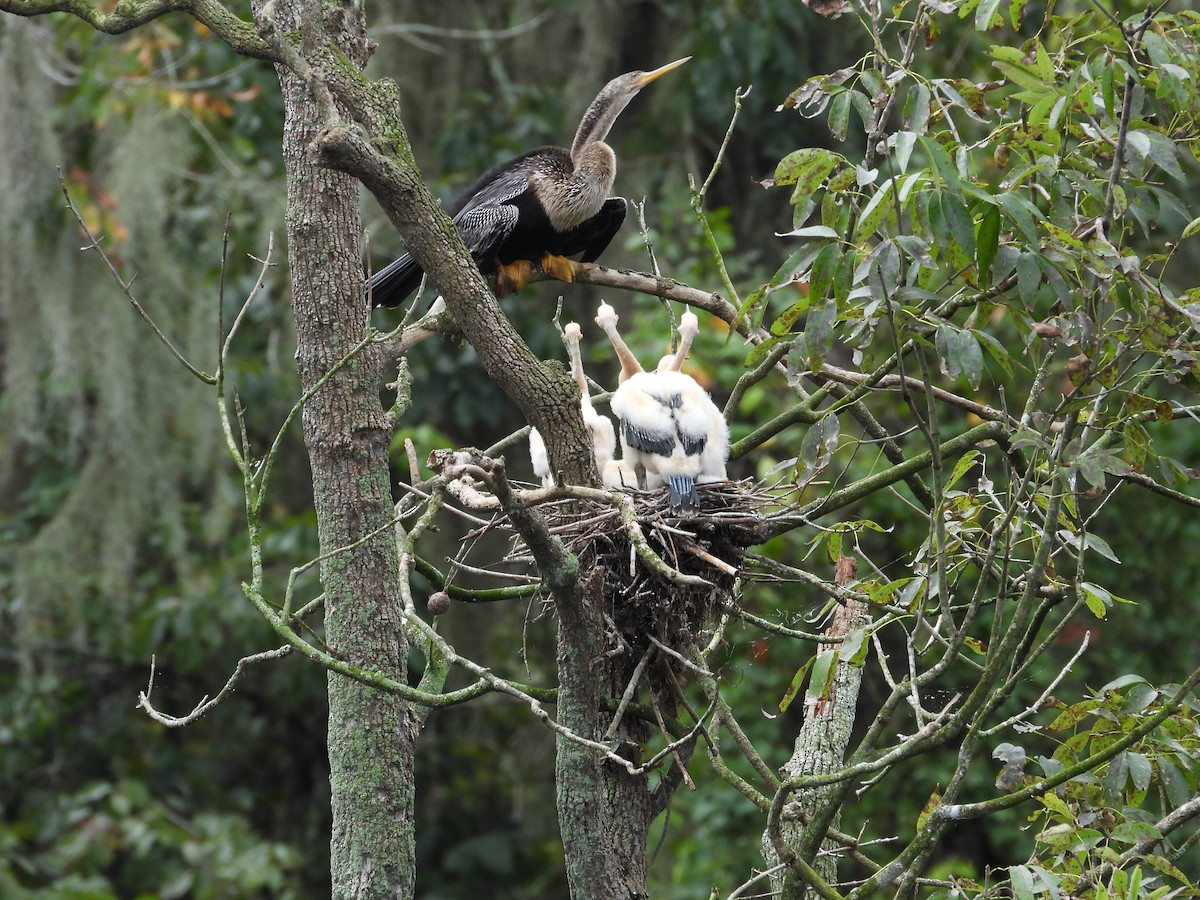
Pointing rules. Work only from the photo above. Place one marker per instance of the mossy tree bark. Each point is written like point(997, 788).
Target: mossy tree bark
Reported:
point(604, 812)
point(371, 734)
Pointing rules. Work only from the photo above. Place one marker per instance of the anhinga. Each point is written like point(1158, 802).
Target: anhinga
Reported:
point(545, 204)
point(600, 429)
point(669, 426)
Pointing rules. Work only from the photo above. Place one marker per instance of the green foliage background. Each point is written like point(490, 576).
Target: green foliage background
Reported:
point(120, 517)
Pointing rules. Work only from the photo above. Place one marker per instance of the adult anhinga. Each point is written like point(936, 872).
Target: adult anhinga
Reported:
point(545, 204)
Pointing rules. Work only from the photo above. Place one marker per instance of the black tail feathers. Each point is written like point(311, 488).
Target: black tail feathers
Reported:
point(395, 281)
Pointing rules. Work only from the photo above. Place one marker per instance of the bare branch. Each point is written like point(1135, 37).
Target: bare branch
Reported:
point(239, 34)
point(205, 703)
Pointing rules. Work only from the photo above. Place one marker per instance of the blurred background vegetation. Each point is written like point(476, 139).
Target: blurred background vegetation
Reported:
point(121, 535)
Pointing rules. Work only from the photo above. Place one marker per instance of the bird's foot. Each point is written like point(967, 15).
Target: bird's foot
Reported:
point(511, 277)
point(559, 267)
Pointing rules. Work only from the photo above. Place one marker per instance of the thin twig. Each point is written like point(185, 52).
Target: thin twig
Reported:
point(125, 287)
point(205, 703)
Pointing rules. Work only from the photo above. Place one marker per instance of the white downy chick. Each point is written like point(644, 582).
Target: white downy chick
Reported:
point(540, 458)
point(667, 421)
point(600, 429)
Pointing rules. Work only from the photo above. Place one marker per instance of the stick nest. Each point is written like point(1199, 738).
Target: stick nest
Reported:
point(651, 604)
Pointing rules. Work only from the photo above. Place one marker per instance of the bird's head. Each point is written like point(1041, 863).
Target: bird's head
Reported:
point(606, 316)
point(635, 81)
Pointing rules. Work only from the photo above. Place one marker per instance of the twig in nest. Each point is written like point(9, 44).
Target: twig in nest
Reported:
point(627, 697)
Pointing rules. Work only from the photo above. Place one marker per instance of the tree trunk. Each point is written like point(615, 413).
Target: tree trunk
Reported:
point(372, 735)
point(604, 813)
point(820, 748)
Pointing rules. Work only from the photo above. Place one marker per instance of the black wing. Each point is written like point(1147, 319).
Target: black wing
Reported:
point(658, 443)
point(593, 236)
point(498, 207)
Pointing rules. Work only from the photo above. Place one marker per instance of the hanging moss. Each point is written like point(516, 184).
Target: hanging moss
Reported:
point(131, 474)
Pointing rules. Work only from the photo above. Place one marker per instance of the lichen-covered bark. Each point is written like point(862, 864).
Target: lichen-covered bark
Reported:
point(372, 734)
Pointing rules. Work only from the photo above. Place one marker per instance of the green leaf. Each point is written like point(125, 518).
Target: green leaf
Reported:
point(1073, 715)
point(1140, 770)
point(843, 279)
point(839, 115)
point(1098, 600)
point(1132, 832)
point(783, 323)
point(1022, 213)
point(1135, 444)
point(959, 353)
point(916, 109)
point(750, 304)
point(1164, 153)
point(1052, 801)
point(834, 546)
point(1100, 545)
point(1016, 11)
point(818, 332)
point(996, 350)
point(1022, 883)
point(862, 106)
point(1022, 76)
point(1029, 276)
point(1045, 67)
point(905, 141)
point(760, 351)
point(987, 241)
point(793, 689)
point(854, 648)
point(958, 217)
point(942, 163)
point(985, 13)
point(823, 671)
point(965, 463)
point(820, 278)
point(885, 269)
point(873, 213)
point(807, 167)
point(814, 232)
point(1121, 682)
point(1191, 228)
point(1164, 865)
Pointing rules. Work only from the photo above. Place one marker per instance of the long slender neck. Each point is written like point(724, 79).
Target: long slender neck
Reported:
point(573, 335)
point(599, 118)
point(629, 364)
point(688, 327)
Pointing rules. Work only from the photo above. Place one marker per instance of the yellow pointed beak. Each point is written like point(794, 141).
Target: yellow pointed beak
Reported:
point(646, 77)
